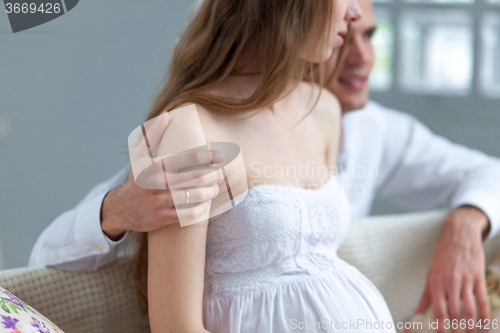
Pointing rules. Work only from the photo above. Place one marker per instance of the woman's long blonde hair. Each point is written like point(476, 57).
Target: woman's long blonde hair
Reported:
point(219, 41)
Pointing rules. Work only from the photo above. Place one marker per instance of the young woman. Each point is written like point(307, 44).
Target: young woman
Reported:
point(269, 264)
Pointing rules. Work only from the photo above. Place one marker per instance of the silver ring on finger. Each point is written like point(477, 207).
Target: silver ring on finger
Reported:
point(187, 196)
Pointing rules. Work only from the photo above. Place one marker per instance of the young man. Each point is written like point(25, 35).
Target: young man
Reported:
point(384, 154)
point(396, 157)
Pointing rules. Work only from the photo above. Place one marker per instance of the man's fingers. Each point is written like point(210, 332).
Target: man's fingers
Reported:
point(470, 312)
point(195, 178)
point(440, 311)
point(193, 212)
point(454, 305)
point(425, 301)
point(482, 300)
point(192, 158)
point(153, 176)
point(175, 215)
point(196, 195)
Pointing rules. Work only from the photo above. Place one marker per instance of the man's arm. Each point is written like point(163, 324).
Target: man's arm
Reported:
point(75, 240)
point(428, 171)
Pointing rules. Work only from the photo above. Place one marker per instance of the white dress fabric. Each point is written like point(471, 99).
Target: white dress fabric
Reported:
point(272, 266)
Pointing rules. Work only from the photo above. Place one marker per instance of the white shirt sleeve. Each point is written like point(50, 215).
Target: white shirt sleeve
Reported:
point(428, 171)
point(75, 240)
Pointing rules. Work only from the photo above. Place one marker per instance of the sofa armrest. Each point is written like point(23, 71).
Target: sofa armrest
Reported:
point(97, 301)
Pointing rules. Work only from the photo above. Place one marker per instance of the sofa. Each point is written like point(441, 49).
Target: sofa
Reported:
point(392, 251)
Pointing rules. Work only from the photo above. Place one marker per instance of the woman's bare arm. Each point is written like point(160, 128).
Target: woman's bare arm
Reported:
point(175, 278)
point(176, 263)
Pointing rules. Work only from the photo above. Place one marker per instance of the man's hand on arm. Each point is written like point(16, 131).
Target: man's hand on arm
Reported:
point(130, 207)
point(108, 205)
point(133, 208)
point(456, 274)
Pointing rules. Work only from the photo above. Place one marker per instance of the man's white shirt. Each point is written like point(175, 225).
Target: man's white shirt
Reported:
point(384, 153)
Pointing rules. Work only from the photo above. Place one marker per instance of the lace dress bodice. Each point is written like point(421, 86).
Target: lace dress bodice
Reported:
point(272, 266)
point(276, 234)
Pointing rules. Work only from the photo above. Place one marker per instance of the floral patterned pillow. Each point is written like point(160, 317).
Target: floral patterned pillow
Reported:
point(18, 317)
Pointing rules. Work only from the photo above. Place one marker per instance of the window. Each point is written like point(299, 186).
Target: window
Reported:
point(383, 42)
point(490, 66)
point(437, 47)
point(436, 51)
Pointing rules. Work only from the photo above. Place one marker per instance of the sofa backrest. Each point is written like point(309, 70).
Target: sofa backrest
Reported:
point(392, 251)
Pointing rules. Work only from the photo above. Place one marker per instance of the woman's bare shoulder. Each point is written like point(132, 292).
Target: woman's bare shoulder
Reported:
point(326, 114)
point(325, 106)
point(189, 112)
point(189, 126)
point(190, 116)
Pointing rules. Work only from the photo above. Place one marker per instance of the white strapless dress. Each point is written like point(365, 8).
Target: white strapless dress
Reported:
point(272, 266)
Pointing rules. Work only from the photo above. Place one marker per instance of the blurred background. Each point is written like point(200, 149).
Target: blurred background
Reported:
point(73, 89)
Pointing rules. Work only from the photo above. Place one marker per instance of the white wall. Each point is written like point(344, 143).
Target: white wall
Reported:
point(2, 266)
point(73, 89)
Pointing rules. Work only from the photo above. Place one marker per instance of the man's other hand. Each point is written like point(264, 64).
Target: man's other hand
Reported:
point(456, 275)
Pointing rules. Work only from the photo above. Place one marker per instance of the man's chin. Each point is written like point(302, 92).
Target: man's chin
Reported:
point(353, 104)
